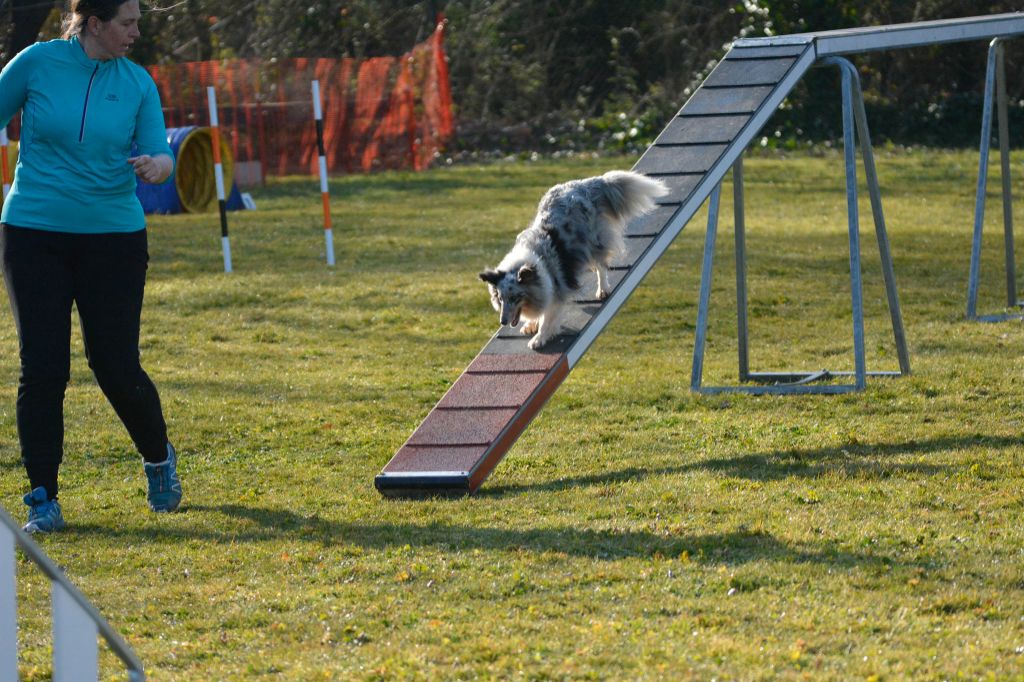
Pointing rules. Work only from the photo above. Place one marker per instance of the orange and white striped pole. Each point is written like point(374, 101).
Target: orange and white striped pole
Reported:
point(5, 168)
point(324, 192)
point(218, 168)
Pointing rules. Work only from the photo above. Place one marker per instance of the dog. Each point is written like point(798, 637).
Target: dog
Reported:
point(579, 226)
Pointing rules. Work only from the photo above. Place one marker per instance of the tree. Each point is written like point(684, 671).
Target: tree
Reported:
point(544, 65)
point(929, 95)
point(204, 29)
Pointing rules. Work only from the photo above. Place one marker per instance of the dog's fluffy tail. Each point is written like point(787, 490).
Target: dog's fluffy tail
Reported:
point(630, 194)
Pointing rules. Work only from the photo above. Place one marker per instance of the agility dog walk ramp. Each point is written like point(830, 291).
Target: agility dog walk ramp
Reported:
point(485, 411)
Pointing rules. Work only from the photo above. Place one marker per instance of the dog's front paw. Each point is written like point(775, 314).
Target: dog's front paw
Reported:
point(601, 294)
point(530, 327)
point(537, 342)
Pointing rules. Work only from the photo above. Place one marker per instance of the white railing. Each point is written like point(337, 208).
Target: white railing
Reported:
point(76, 622)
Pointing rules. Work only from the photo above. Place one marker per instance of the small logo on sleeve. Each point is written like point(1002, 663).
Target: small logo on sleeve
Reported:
point(112, 97)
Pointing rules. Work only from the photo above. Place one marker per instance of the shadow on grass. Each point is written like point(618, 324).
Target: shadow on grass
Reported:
point(856, 461)
point(249, 525)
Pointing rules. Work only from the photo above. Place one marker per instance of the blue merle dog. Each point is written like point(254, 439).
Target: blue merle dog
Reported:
point(579, 226)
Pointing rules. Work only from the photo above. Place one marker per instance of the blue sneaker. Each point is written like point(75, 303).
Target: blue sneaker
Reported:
point(164, 486)
point(44, 515)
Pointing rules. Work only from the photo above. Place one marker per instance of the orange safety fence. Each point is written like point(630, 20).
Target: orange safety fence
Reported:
point(378, 113)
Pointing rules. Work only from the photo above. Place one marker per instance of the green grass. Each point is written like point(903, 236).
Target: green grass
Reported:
point(636, 531)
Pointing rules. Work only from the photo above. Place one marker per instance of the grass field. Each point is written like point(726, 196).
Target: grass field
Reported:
point(636, 531)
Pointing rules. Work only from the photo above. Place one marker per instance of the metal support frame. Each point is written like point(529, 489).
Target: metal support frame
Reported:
point(995, 89)
point(901, 36)
point(802, 382)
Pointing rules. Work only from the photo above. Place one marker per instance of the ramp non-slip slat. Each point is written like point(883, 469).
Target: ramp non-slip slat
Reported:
point(635, 246)
point(510, 364)
point(777, 52)
point(739, 72)
point(658, 160)
point(453, 458)
point(651, 224)
point(510, 345)
point(681, 186)
point(702, 130)
point(481, 390)
point(461, 427)
point(588, 289)
point(726, 101)
point(574, 318)
point(483, 413)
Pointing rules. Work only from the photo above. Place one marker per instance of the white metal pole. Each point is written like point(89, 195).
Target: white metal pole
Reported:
point(8, 607)
point(218, 169)
point(75, 639)
point(325, 195)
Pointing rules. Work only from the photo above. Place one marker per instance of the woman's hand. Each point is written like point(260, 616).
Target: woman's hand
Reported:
point(152, 169)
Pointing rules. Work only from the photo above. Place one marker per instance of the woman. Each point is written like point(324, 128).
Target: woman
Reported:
point(73, 232)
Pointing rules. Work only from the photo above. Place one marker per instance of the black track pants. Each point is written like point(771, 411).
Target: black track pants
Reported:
point(104, 275)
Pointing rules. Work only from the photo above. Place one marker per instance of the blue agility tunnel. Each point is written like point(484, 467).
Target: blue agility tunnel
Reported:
point(191, 188)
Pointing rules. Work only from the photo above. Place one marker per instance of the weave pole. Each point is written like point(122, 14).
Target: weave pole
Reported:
point(211, 95)
point(324, 192)
point(5, 169)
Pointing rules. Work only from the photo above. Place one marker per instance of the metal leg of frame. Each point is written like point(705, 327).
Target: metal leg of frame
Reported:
point(853, 220)
point(995, 97)
point(742, 332)
point(881, 234)
point(854, 125)
point(979, 201)
point(705, 289)
point(1004, 157)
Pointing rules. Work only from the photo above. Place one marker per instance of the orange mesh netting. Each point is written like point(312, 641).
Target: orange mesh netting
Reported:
point(378, 113)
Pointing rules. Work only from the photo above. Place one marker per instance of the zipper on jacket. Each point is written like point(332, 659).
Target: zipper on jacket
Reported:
point(85, 106)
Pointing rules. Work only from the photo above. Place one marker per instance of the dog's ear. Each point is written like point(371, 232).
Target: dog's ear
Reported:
point(490, 275)
point(526, 274)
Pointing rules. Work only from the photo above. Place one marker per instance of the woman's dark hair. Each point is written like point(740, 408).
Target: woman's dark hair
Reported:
point(79, 11)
